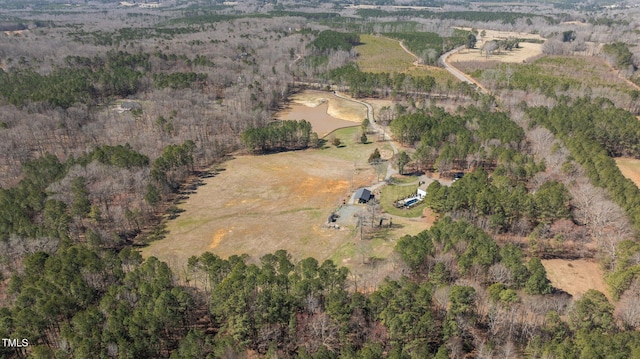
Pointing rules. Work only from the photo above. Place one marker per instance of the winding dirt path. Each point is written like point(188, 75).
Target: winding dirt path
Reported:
point(445, 63)
point(417, 61)
point(390, 170)
point(444, 60)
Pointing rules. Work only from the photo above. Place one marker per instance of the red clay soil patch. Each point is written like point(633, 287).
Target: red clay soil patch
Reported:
point(429, 217)
point(575, 276)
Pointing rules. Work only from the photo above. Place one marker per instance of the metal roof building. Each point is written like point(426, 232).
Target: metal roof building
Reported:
point(363, 195)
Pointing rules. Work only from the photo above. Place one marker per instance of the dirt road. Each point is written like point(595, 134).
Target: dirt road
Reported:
point(377, 128)
point(457, 73)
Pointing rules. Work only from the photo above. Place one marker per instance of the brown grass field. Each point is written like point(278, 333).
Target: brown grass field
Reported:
point(526, 51)
point(259, 204)
point(575, 276)
point(630, 168)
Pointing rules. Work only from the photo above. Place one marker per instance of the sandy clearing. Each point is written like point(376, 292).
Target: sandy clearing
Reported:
point(337, 107)
point(524, 53)
point(15, 32)
point(325, 111)
point(321, 122)
point(575, 276)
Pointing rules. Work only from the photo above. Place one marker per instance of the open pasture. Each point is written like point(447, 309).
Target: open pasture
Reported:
point(630, 168)
point(259, 204)
point(379, 54)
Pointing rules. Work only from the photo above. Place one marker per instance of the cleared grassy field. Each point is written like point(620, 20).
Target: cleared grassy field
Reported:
point(526, 51)
point(259, 204)
point(549, 73)
point(442, 76)
point(381, 54)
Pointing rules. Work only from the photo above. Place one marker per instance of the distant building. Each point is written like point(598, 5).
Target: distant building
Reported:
point(130, 105)
point(150, 5)
point(363, 195)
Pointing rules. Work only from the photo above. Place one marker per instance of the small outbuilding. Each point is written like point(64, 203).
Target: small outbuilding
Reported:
point(422, 191)
point(363, 195)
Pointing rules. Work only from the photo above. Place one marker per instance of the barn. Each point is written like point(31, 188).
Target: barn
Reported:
point(363, 195)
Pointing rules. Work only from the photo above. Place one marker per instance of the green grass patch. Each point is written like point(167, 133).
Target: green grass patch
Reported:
point(442, 76)
point(351, 149)
point(404, 179)
point(424, 43)
point(381, 54)
point(346, 250)
point(188, 222)
point(391, 193)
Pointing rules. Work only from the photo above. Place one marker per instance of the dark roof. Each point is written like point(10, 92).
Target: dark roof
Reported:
point(363, 194)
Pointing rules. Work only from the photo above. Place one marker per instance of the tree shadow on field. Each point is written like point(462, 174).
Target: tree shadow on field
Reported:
point(174, 211)
point(155, 234)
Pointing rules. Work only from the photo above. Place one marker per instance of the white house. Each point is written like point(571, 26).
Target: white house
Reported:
point(422, 191)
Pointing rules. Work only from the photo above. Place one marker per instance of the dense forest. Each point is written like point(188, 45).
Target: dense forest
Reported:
point(112, 114)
